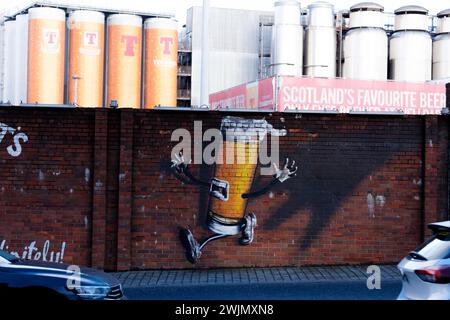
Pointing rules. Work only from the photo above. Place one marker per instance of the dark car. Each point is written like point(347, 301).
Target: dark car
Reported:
point(21, 278)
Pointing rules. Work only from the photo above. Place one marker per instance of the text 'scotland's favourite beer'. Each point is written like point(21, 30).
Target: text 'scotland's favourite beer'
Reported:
point(87, 32)
point(161, 60)
point(46, 52)
point(234, 172)
point(124, 60)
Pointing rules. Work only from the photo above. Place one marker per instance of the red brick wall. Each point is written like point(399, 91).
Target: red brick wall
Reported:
point(46, 192)
point(99, 180)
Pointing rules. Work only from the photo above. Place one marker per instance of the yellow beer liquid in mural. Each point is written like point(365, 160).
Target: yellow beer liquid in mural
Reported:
point(239, 176)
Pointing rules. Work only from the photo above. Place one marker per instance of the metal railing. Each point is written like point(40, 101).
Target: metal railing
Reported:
point(184, 46)
point(183, 93)
point(184, 70)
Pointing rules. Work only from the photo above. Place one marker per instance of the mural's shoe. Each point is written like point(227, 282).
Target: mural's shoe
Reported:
point(248, 231)
point(190, 245)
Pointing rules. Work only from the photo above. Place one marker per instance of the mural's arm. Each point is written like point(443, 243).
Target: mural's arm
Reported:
point(281, 175)
point(180, 166)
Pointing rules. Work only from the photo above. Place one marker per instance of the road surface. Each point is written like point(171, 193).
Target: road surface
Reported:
point(322, 290)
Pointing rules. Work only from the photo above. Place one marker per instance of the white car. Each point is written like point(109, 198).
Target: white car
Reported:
point(426, 270)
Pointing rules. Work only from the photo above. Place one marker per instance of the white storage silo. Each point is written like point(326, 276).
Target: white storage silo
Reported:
point(320, 41)
point(441, 47)
point(20, 60)
point(10, 57)
point(410, 51)
point(287, 39)
point(366, 43)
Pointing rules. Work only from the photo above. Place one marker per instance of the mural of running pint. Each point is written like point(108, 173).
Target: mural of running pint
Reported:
point(229, 190)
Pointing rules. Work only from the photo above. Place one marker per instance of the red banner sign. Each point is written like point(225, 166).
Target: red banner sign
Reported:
point(337, 95)
point(345, 96)
point(258, 95)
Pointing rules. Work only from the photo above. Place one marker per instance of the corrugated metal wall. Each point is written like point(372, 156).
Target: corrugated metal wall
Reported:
point(234, 47)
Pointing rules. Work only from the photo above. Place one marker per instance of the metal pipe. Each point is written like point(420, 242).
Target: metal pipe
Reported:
point(341, 42)
point(204, 81)
point(446, 113)
point(75, 94)
point(447, 105)
point(423, 175)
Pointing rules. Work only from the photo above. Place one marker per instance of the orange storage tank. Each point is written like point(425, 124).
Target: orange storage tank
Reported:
point(46, 53)
point(87, 34)
point(161, 61)
point(124, 60)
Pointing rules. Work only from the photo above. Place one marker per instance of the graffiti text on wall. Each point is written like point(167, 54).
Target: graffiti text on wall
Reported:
point(35, 252)
point(14, 148)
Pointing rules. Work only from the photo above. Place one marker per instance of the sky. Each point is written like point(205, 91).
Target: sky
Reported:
point(179, 7)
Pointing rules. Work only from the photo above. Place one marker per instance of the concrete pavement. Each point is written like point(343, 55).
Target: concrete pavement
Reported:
point(156, 278)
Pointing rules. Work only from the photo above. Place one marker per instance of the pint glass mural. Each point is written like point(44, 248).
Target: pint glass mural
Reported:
point(230, 189)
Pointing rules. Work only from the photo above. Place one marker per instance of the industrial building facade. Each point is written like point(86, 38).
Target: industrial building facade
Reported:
point(243, 42)
point(234, 41)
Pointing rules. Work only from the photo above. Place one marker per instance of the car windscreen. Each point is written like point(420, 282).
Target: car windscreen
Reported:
point(437, 247)
point(7, 256)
